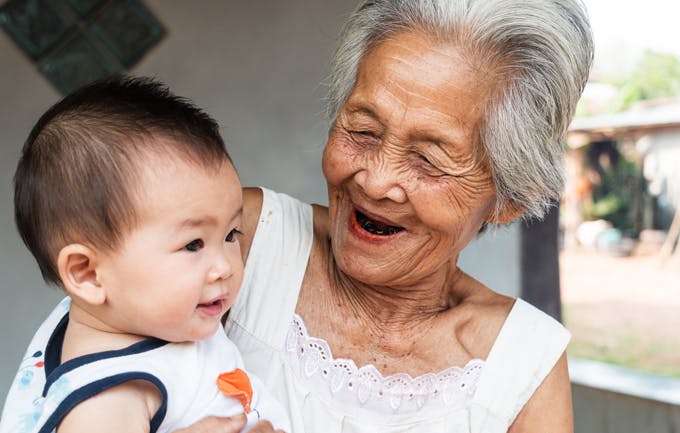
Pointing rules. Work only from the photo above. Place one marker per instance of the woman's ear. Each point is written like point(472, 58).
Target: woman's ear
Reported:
point(77, 266)
point(507, 214)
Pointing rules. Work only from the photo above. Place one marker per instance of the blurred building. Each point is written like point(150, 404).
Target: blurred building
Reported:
point(647, 138)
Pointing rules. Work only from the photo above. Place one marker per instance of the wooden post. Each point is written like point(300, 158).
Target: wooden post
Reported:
point(672, 237)
point(540, 277)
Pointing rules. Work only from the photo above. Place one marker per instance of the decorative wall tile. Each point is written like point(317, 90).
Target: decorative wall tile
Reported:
point(35, 25)
point(74, 42)
point(76, 63)
point(84, 7)
point(128, 29)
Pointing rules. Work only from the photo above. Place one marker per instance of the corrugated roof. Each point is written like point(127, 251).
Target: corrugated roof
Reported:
point(662, 115)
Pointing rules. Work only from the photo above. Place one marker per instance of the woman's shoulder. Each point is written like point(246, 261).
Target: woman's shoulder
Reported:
point(485, 313)
point(252, 206)
point(321, 222)
point(525, 344)
point(279, 211)
point(492, 317)
point(315, 275)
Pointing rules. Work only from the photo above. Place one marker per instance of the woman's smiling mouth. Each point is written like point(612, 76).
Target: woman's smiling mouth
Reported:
point(375, 227)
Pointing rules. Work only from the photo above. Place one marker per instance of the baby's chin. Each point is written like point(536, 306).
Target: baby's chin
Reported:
point(206, 331)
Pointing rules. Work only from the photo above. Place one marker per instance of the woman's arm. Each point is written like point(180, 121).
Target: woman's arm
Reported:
point(550, 408)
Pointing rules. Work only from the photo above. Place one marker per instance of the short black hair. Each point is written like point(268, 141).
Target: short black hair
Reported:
point(75, 178)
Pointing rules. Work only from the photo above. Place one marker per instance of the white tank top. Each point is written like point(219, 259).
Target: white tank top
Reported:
point(325, 394)
point(44, 390)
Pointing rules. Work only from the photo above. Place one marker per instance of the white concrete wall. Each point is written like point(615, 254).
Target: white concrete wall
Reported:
point(257, 67)
point(662, 170)
point(600, 411)
point(613, 399)
point(24, 299)
point(495, 259)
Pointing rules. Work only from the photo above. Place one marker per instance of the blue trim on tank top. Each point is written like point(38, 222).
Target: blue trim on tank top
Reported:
point(54, 369)
point(91, 389)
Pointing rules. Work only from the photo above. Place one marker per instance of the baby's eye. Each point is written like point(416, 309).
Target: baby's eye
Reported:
point(231, 236)
point(194, 245)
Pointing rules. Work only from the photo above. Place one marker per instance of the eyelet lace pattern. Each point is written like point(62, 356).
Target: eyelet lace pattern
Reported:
point(343, 383)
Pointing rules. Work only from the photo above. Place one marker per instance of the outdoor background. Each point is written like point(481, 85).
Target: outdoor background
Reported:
point(625, 310)
point(259, 67)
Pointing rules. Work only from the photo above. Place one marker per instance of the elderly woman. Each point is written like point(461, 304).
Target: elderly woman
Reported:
point(448, 115)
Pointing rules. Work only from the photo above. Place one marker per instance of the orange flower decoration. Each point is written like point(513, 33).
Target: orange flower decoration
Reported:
point(236, 384)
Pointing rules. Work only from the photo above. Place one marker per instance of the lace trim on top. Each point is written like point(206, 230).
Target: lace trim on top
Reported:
point(344, 383)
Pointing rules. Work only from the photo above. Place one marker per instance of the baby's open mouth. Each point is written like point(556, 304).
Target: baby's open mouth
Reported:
point(376, 227)
point(211, 304)
point(213, 309)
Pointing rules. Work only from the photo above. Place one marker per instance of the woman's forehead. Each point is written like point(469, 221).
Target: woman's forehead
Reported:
point(409, 81)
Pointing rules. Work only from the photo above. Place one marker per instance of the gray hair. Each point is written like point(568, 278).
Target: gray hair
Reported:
point(540, 49)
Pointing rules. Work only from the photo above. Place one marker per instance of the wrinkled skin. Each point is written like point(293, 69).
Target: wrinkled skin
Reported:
point(405, 148)
point(409, 187)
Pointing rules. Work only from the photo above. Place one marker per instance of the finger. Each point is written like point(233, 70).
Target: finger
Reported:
point(214, 424)
point(263, 426)
point(233, 424)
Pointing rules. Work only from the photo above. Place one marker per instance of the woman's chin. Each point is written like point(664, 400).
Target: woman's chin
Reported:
point(368, 264)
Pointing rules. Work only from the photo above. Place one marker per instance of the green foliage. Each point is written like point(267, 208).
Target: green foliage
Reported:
point(656, 75)
point(596, 336)
point(608, 206)
point(614, 197)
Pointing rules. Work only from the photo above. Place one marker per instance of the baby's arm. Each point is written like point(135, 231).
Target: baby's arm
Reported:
point(128, 407)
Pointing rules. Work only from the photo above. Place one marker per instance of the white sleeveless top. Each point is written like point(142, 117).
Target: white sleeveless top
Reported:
point(324, 394)
point(45, 389)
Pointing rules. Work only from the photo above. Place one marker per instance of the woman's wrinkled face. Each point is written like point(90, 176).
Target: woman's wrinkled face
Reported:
point(408, 185)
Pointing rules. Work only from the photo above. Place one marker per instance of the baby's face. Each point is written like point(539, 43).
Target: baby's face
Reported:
point(180, 269)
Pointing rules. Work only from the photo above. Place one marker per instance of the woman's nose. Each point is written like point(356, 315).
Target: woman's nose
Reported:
point(381, 179)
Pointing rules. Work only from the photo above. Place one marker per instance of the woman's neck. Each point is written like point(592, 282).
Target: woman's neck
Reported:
point(396, 308)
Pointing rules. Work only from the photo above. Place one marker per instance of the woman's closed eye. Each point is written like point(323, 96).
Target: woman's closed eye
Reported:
point(231, 237)
point(428, 164)
point(425, 160)
point(194, 245)
point(364, 133)
point(364, 137)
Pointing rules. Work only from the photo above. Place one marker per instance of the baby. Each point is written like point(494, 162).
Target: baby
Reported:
point(128, 200)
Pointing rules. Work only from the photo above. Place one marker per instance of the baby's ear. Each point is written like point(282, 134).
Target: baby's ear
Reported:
point(77, 266)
